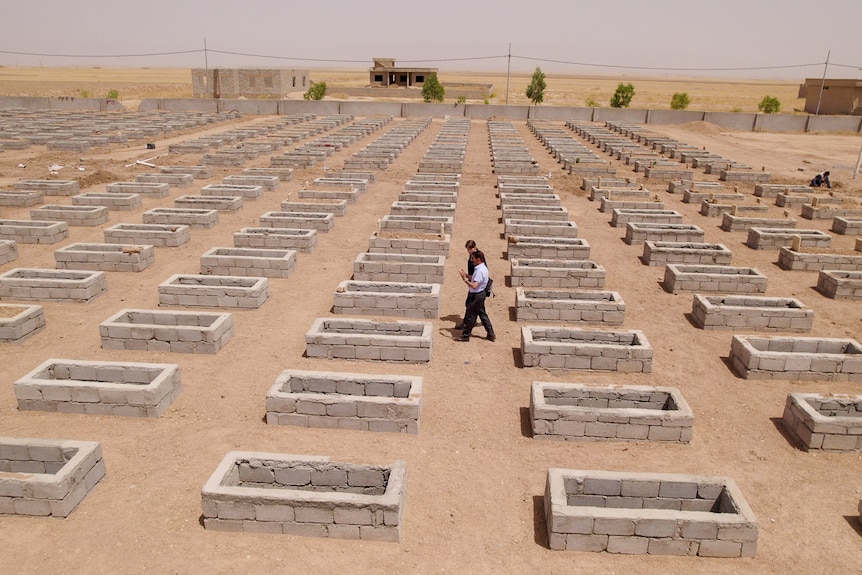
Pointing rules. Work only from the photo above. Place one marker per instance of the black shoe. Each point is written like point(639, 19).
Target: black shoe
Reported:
point(462, 338)
point(460, 326)
point(491, 338)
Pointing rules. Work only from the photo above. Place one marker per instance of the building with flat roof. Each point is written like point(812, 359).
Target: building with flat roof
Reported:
point(386, 73)
point(248, 82)
point(842, 97)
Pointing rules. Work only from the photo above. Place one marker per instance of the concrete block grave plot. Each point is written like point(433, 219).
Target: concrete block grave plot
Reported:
point(662, 253)
point(113, 201)
point(268, 183)
point(191, 217)
point(18, 322)
point(348, 196)
point(8, 251)
point(219, 203)
point(766, 190)
point(621, 193)
point(158, 235)
point(21, 198)
point(733, 223)
point(198, 172)
point(349, 184)
point(47, 477)
point(712, 209)
point(173, 180)
point(305, 495)
point(824, 422)
point(320, 221)
point(255, 262)
point(99, 387)
point(753, 313)
point(105, 257)
point(303, 241)
point(147, 189)
point(422, 209)
point(540, 228)
point(571, 306)
point(774, 238)
point(51, 187)
point(399, 268)
point(337, 208)
point(540, 273)
point(173, 331)
point(607, 206)
point(389, 403)
point(799, 358)
point(231, 292)
point(704, 278)
point(638, 233)
point(527, 199)
point(521, 212)
point(528, 247)
point(349, 338)
point(72, 215)
point(648, 513)
point(415, 243)
point(399, 299)
point(578, 412)
point(625, 351)
point(844, 226)
point(838, 284)
point(244, 192)
point(620, 216)
point(428, 196)
point(33, 232)
point(817, 259)
point(36, 284)
point(422, 224)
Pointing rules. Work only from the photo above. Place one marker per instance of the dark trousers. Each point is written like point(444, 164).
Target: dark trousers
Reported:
point(476, 310)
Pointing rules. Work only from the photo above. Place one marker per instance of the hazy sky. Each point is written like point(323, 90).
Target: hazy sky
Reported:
point(613, 37)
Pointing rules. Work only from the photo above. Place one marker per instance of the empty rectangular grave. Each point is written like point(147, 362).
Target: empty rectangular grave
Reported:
point(648, 513)
point(555, 273)
point(21, 198)
point(51, 187)
point(617, 193)
point(37, 284)
point(766, 190)
point(526, 199)
point(387, 403)
point(428, 196)
point(169, 331)
point(173, 180)
point(362, 339)
point(548, 248)
point(823, 209)
point(231, 292)
point(319, 194)
point(105, 257)
point(47, 477)
point(159, 235)
point(844, 226)
point(411, 243)
point(399, 268)
point(245, 192)
point(219, 203)
point(320, 221)
point(824, 422)
point(191, 217)
point(305, 495)
point(708, 278)
point(734, 223)
point(99, 388)
point(756, 313)
point(713, 209)
point(111, 200)
point(33, 232)
point(522, 212)
point(662, 253)
point(775, 238)
point(348, 184)
point(698, 196)
point(625, 351)
point(268, 183)
point(256, 262)
point(303, 241)
point(198, 172)
point(621, 216)
point(337, 208)
point(608, 206)
point(640, 232)
point(515, 187)
point(816, 259)
point(348, 175)
point(423, 209)
point(796, 359)
point(72, 215)
point(427, 224)
point(148, 189)
point(575, 306)
point(540, 228)
point(18, 322)
point(438, 186)
point(579, 412)
point(8, 251)
point(839, 284)
point(400, 299)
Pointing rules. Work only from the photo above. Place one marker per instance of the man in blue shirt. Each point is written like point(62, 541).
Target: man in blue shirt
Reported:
point(477, 285)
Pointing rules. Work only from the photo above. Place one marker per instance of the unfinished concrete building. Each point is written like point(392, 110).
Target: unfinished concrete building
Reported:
point(248, 82)
point(385, 73)
point(839, 96)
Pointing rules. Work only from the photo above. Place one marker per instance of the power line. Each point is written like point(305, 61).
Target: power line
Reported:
point(626, 66)
point(99, 55)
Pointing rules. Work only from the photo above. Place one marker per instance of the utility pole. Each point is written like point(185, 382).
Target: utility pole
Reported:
point(822, 83)
point(206, 65)
point(508, 68)
point(858, 163)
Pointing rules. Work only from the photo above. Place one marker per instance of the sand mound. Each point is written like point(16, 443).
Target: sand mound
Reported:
point(701, 127)
point(97, 177)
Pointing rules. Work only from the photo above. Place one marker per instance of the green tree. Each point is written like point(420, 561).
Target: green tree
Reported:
point(623, 96)
point(113, 94)
point(769, 105)
point(316, 91)
point(679, 101)
point(536, 89)
point(591, 102)
point(433, 90)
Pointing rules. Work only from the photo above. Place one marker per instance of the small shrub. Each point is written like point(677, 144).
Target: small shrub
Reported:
point(316, 91)
point(679, 101)
point(623, 96)
point(462, 99)
point(86, 93)
point(769, 105)
point(487, 101)
point(591, 103)
point(113, 94)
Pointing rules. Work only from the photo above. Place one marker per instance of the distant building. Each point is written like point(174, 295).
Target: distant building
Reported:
point(385, 73)
point(248, 82)
point(840, 97)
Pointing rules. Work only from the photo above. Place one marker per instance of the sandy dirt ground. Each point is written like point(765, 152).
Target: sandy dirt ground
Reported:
point(475, 476)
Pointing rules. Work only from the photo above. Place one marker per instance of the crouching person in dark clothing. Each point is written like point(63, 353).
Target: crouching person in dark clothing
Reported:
point(477, 284)
point(821, 179)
